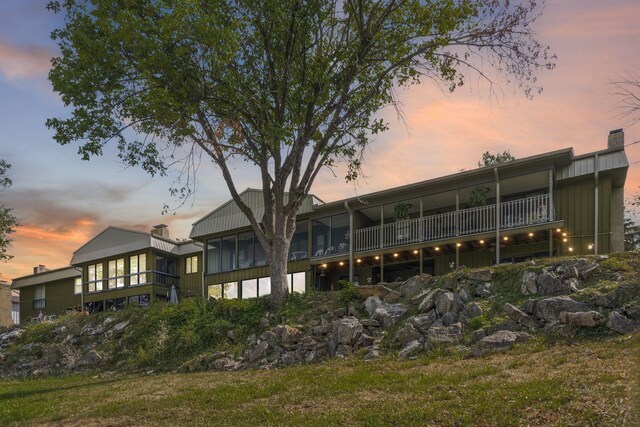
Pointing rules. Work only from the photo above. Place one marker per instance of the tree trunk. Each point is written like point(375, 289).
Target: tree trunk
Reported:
point(278, 262)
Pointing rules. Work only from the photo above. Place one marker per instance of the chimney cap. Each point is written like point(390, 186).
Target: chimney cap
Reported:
point(160, 226)
point(612, 132)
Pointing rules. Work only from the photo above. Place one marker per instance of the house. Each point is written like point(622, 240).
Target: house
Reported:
point(550, 204)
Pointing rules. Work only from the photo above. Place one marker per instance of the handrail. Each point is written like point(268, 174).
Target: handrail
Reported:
point(151, 277)
point(515, 213)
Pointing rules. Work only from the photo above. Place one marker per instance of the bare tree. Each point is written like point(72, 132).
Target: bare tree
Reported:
point(627, 89)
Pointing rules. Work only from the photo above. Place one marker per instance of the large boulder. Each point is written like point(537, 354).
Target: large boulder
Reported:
point(498, 342)
point(480, 275)
point(414, 285)
point(471, 310)
point(347, 330)
point(371, 303)
point(407, 334)
point(588, 319)
point(389, 314)
point(366, 291)
point(529, 285)
point(444, 334)
point(549, 285)
point(549, 309)
point(520, 316)
point(620, 324)
point(448, 302)
point(392, 297)
point(588, 271)
point(429, 300)
point(619, 296)
point(424, 321)
point(410, 349)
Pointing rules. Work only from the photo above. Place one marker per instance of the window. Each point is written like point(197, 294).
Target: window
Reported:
point(116, 273)
point(221, 254)
point(330, 235)
point(264, 286)
point(115, 304)
point(214, 291)
point(77, 285)
point(191, 264)
point(340, 233)
point(95, 277)
point(39, 297)
point(137, 265)
point(230, 290)
point(94, 307)
point(249, 288)
point(299, 242)
point(297, 282)
point(321, 230)
point(246, 255)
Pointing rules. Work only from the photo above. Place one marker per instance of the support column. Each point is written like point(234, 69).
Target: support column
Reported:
point(382, 267)
point(421, 263)
point(351, 240)
point(421, 230)
point(552, 210)
point(550, 242)
point(457, 224)
point(457, 255)
point(381, 242)
point(596, 211)
point(498, 214)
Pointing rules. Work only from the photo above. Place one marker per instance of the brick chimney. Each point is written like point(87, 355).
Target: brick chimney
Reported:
point(616, 139)
point(39, 269)
point(161, 230)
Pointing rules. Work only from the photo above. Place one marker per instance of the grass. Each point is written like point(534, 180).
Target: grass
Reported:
point(576, 383)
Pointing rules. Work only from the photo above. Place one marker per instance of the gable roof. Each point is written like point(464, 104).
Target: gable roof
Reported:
point(44, 277)
point(228, 216)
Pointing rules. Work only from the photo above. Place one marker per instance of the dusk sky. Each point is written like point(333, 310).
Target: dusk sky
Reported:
point(62, 201)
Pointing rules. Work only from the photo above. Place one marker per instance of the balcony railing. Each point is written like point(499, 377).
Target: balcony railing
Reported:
point(144, 278)
point(516, 213)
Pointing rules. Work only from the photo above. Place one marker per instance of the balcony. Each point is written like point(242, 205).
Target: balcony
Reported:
point(150, 277)
point(524, 212)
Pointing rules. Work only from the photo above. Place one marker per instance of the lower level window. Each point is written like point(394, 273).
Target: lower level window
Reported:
point(94, 307)
point(214, 291)
point(38, 304)
point(115, 304)
point(227, 290)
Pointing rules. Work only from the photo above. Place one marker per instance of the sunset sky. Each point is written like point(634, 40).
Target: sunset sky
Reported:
point(62, 201)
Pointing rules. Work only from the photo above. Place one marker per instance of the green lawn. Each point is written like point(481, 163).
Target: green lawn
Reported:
point(584, 383)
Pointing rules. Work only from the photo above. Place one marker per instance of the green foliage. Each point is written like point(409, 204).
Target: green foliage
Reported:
point(8, 222)
point(489, 159)
point(477, 197)
point(348, 291)
point(401, 211)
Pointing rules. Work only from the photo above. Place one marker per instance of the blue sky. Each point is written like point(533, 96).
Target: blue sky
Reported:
point(62, 201)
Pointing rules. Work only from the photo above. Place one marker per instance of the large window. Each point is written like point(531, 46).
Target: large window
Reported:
point(246, 255)
point(77, 285)
point(137, 267)
point(140, 300)
point(221, 254)
point(224, 290)
point(297, 282)
point(249, 288)
point(264, 286)
point(39, 297)
point(95, 277)
point(191, 264)
point(300, 242)
point(330, 235)
point(116, 273)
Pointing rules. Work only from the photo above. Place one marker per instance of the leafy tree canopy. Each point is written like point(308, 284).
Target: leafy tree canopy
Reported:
point(489, 159)
point(290, 86)
point(8, 222)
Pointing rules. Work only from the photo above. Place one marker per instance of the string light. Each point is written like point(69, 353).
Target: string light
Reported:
point(415, 252)
point(341, 263)
point(482, 242)
point(377, 257)
point(505, 238)
point(395, 255)
point(358, 260)
point(458, 244)
point(437, 248)
point(570, 249)
point(530, 234)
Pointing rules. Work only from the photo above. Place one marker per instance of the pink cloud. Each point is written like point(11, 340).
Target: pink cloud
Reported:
point(19, 62)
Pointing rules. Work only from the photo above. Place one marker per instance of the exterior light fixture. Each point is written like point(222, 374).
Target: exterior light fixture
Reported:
point(505, 238)
point(570, 249)
point(358, 260)
point(341, 263)
point(458, 244)
point(324, 265)
point(564, 234)
point(415, 251)
point(558, 230)
point(437, 248)
point(590, 246)
point(565, 240)
point(530, 234)
point(377, 257)
point(482, 242)
point(395, 255)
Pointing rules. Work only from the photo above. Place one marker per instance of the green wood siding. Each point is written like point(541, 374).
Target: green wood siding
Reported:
point(574, 202)
point(129, 291)
point(190, 284)
point(59, 297)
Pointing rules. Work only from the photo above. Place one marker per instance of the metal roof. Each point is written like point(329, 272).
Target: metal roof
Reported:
point(229, 217)
point(189, 247)
point(115, 241)
point(44, 277)
point(608, 160)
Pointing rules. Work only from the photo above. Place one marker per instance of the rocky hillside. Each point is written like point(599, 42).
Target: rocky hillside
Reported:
point(468, 312)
